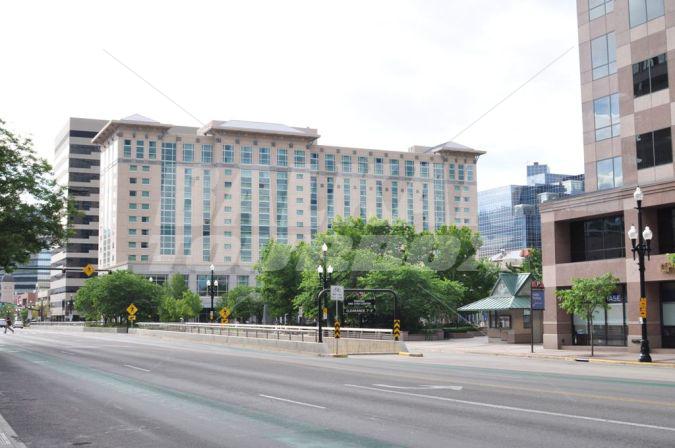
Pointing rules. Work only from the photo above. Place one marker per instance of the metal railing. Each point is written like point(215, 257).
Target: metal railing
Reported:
point(58, 324)
point(286, 332)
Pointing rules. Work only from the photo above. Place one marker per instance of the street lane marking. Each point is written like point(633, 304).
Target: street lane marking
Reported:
point(137, 368)
point(516, 409)
point(4, 440)
point(420, 387)
point(291, 401)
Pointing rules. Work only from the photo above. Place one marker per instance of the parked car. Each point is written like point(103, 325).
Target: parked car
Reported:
point(2, 322)
point(18, 324)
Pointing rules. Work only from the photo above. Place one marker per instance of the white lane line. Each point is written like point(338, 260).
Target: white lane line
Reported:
point(137, 368)
point(420, 387)
point(291, 401)
point(4, 440)
point(512, 408)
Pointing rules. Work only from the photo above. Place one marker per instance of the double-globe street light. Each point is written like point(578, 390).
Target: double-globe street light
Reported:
point(212, 286)
point(325, 276)
point(641, 241)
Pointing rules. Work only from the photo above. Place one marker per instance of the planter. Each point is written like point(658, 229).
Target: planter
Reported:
point(668, 268)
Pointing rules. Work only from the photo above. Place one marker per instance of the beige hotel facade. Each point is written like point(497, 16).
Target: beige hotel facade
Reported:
point(177, 199)
point(627, 59)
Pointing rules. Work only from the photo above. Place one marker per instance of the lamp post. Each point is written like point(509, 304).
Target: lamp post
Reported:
point(212, 286)
point(325, 276)
point(641, 244)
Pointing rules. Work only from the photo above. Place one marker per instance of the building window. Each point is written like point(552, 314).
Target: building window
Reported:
point(133, 206)
point(363, 191)
point(299, 158)
point(363, 165)
point(394, 167)
point(314, 161)
point(642, 11)
point(654, 148)
point(460, 171)
point(650, 76)
point(424, 169)
point(607, 118)
point(603, 55)
point(263, 156)
point(314, 206)
point(140, 149)
point(282, 207)
point(133, 167)
point(609, 326)
point(207, 153)
point(425, 206)
point(329, 162)
point(167, 239)
point(228, 154)
point(145, 181)
point(609, 173)
point(206, 216)
point(597, 239)
point(411, 204)
point(394, 200)
point(469, 173)
point(598, 8)
point(242, 280)
point(246, 216)
point(146, 168)
point(246, 155)
point(187, 212)
point(379, 166)
point(132, 232)
point(439, 196)
point(264, 184)
point(152, 150)
point(282, 157)
point(666, 226)
point(378, 199)
point(330, 200)
point(188, 152)
point(127, 149)
point(347, 197)
point(133, 180)
point(452, 171)
point(346, 164)
point(409, 168)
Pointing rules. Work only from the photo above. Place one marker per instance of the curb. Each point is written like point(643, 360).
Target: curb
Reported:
point(579, 359)
point(634, 363)
point(332, 355)
point(411, 355)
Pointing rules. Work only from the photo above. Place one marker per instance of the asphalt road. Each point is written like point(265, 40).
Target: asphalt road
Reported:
point(76, 389)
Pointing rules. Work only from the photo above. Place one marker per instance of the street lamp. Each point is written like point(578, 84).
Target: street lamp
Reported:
point(641, 244)
point(325, 276)
point(212, 285)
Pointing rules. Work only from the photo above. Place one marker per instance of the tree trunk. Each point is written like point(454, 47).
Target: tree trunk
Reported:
point(592, 344)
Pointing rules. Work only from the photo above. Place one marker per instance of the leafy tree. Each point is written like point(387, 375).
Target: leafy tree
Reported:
point(108, 297)
point(33, 208)
point(6, 309)
point(24, 315)
point(244, 302)
point(190, 305)
point(178, 301)
point(586, 296)
point(532, 264)
point(478, 278)
point(175, 286)
point(279, 276)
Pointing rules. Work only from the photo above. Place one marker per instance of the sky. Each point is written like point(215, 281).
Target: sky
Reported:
point(371, 74)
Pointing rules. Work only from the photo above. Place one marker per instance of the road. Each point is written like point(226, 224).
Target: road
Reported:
point(80, 389)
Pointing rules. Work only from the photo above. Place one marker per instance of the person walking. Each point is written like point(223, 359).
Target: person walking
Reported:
point(8, 324)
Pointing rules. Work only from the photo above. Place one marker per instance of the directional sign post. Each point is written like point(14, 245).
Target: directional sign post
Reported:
point(337, 293)
point(336, 335)
point(224, 315)
point(643, 307)
point(132, 310)
point(397, 329)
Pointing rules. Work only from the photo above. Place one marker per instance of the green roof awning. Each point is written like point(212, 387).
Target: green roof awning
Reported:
point(496, 303)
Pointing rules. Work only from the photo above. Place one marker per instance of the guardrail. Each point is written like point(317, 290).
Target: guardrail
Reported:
point(60, 324)
point(286, 332)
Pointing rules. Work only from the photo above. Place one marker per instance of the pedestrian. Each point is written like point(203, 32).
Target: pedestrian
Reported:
point(8, 324)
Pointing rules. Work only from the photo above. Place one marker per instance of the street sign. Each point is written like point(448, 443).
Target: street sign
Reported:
point(131, 309)
point(132, 317)
point(337, 293)
point(325, 313)
point(224, 313)
point(88, 270)
point(643, 307)
point(397, 329)
point(336, 331)
point(538, 299)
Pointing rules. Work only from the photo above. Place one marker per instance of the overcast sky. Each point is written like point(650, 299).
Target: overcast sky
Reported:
point(374, 74)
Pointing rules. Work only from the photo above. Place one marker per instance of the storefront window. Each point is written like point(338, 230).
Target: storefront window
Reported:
point(527, 318)
point(609, 326)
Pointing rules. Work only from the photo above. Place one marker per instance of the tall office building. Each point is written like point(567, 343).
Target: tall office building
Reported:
point(177, 199)
point(627, 52)
point(508, 217)
point(76, 166)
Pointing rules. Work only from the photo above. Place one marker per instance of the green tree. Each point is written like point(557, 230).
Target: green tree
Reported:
point(33, 208)
point(24, 315)
point(244, 302)
point(6, 309)
point(178, 301)
point(478, 278)
point(190, 305)
point(531, 264)
point(279, 276)
point(586, 296)
point(108, 297)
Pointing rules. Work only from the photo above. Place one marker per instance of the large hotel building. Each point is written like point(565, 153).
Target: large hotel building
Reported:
point(627, 58)
point(177, 199)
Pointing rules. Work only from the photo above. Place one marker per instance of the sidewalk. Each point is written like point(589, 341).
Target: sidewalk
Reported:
point(481, 346)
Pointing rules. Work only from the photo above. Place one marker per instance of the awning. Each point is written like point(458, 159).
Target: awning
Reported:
point(496, 303)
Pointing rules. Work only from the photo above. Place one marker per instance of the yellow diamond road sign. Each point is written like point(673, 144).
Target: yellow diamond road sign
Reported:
point(88, 270)
point(132, 317)
point(131, 309)
point(643, 307)
point(225, 313)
